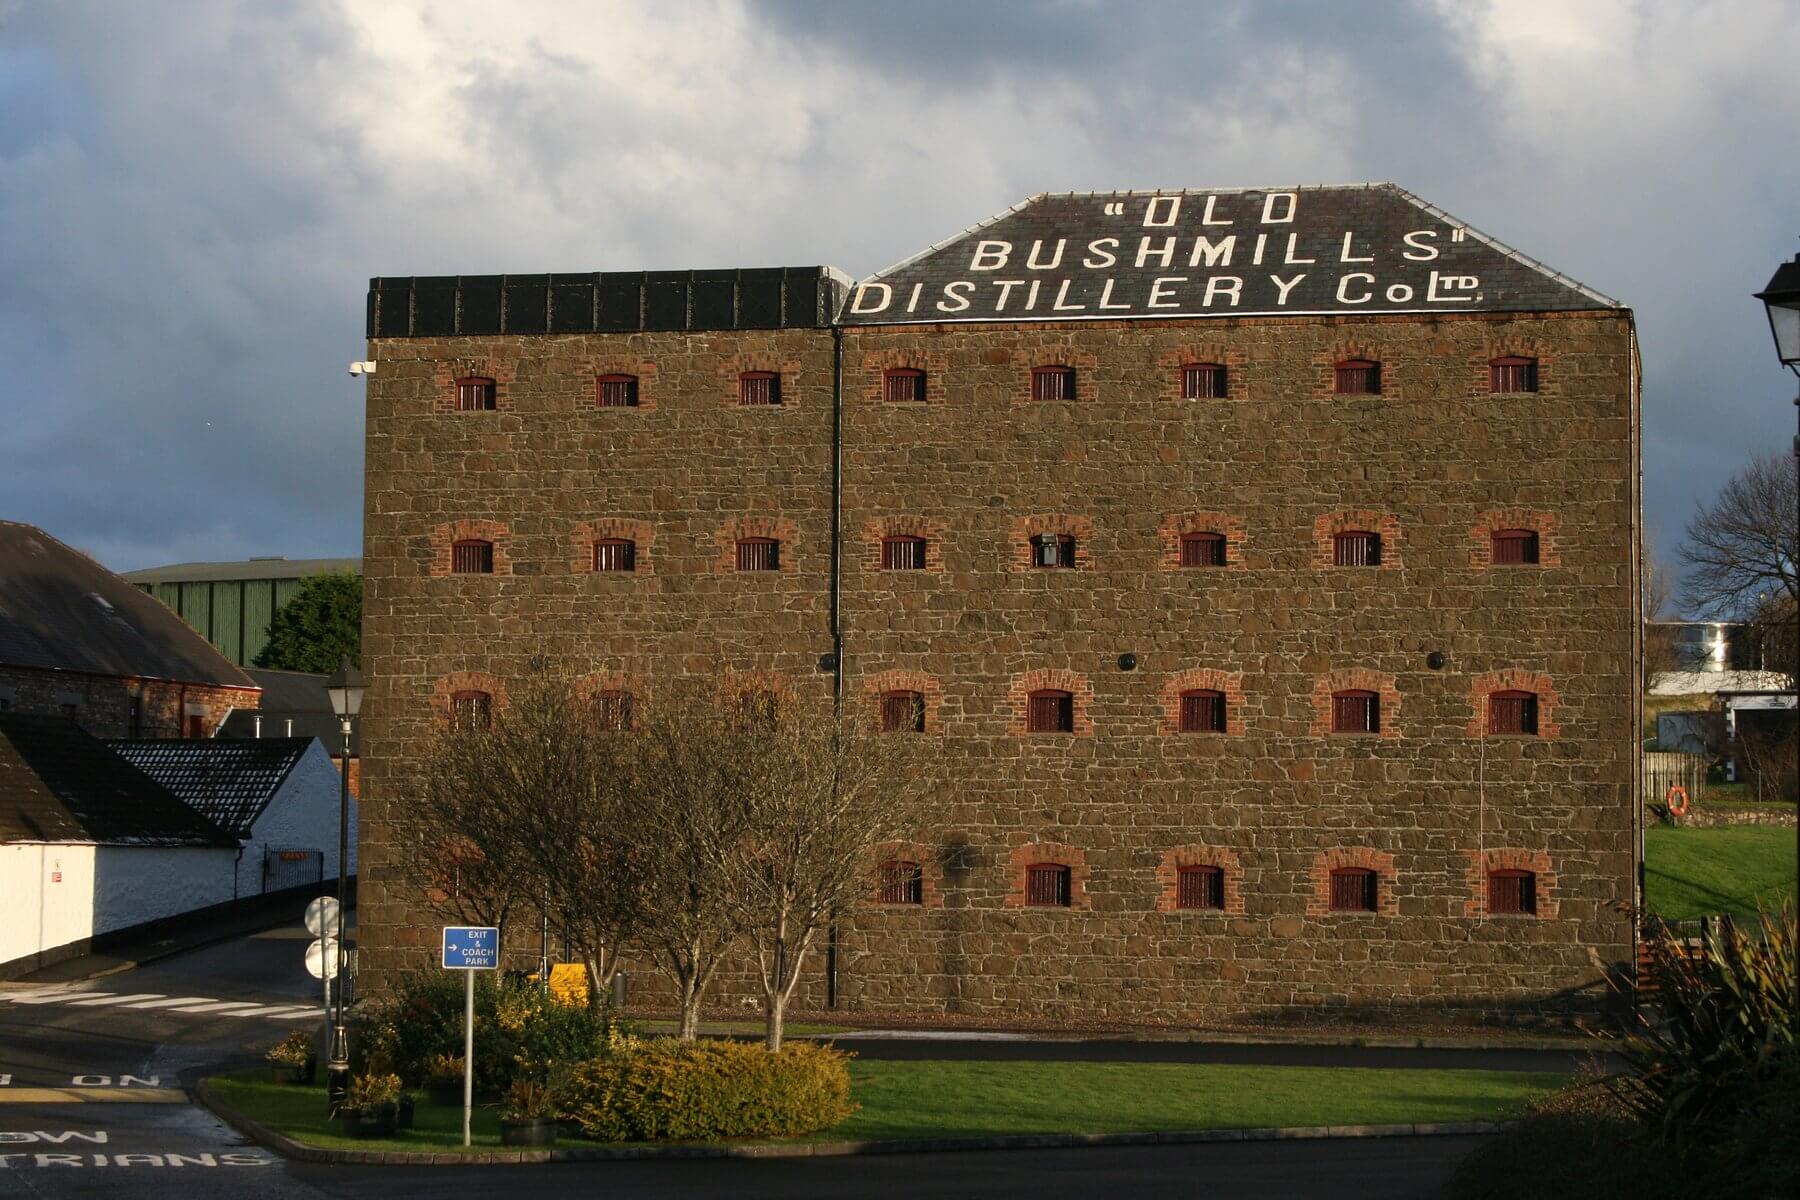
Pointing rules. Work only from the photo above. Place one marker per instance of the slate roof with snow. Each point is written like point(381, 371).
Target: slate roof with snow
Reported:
point(228, 781)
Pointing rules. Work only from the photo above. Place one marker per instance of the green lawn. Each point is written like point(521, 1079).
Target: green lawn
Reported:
point(1702, 872)
point(1736, 795)
point(972, 1099)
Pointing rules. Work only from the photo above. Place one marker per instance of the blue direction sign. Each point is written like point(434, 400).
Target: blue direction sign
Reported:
point(471, 948)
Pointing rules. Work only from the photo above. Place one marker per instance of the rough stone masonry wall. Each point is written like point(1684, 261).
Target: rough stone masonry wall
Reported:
point(978, 465)
point(103, 702)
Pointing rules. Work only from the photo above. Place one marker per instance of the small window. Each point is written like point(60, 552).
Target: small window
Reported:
point(472, 558)
point(902, 712)
point(1050, 711)
point(903, 553)
point(1200, 887)
point(616, 391)
point(1202, 712)
point(615, 554)
point(1356, 548)
point(1355, 712)
point(1515, 547)
point(1053, 550)
point(1047, 885)
point(612, 709)
point(758, 554)
point(471, 710)
point(904, 385)
point(1202, 549)
point(1512, 712)
point(196, 725)
point(1354, 889)
point(1511, 893)
point(474, 394)
point(759, 387)
point(1512, 374)
point(901, 883)
point(1202, 381)
point(1357, 377)
point(1053, 383)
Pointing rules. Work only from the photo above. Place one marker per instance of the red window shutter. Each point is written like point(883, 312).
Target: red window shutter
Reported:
point(1200, 887)
point(1511, 893)
point(1053, 383)
point(474, 394)
point(1514, 547)
point(471, 710)
point(1512, 712)
point(758, 554)
point(1053, 550)
point(902, 712)
point(472, 558)
point(1357, 377)
point(1050, 711)
point(1202, 549)
point(759, 387)
point(616, 391)
point(1202, 711)
point(1512, 374)
point(1203, 381)
point(904, 385)
point(901, 883)
point(612, 709)
point(615, 554)
point(1354, 889)
point(1356, 548)
point(1047, 885)
point(903, 553)
point(1355, 712)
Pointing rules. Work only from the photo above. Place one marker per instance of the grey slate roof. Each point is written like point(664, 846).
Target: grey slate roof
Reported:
point(274, 567)
point(62, 611)
point(292, 696)
point(229, 782)
point(1362, 248)
point(60, 784)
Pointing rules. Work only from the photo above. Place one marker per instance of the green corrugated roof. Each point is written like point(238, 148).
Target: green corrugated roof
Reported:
point(274, 567)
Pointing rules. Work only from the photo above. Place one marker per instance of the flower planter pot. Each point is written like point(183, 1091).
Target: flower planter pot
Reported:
point(528, 1131)
point(295, 1072)
point(377, 1120)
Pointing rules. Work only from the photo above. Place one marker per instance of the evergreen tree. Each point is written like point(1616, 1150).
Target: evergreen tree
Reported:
point(321, 623)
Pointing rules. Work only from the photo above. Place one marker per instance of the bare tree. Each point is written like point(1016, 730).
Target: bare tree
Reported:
point(1741, 549)
point(824, 793)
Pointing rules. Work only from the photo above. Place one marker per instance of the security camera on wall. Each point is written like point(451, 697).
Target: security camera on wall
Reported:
point(362, 368)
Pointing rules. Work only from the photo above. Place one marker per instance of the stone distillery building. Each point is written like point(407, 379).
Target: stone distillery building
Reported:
point(1261, 561)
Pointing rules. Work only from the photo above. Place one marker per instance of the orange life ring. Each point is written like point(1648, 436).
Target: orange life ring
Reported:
point(1678, 801)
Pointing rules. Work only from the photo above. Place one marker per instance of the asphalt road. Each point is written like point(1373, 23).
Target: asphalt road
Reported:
point(92, 1104)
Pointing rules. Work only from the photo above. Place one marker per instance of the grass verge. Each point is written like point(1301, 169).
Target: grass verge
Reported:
point(939, 1099)
point(1703, 872)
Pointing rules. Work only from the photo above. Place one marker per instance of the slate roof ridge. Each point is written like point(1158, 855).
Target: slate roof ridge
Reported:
point(265, 763)
point(942, 242)
point(1501, 247)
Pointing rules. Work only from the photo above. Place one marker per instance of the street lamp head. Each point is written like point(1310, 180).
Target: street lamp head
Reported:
point(1782, 300)
point(345, 688)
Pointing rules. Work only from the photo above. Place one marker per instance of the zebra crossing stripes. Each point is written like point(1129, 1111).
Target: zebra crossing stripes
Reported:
point(210, 1006)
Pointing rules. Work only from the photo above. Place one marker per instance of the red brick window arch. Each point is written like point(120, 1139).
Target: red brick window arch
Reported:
point(1047, 875)
point(1047, 885)
point(1053, 382)
point(1509, 882)
point(1203, 700)
point(1203, 381)
point(475, 393)
point(1351, 880)
point(613, 709)
point(472, 556)
point(1514, 537)
point(1513, 702)
point(1050, 710)
point(1356, 548)
point(1514, 548)
point(758, 554)
point(1202, 548)
point(903, 552)
point(759, 387)
point(1054, 551)
point(471, 709)
point(902, 711)
point(616, 391)
point(1356, 538)
point(1512, 712)
point(1355, 711)
point(903, 385)
point(906, 875)
point(1512, 893)
point(903, 701)
point(1200, 887)
point(1202, 711)
point(1354, 889)
point(1199, 879)
point(900, 881)
point(1512, 373)
point(615, 554)
point(1356, 377)
point(1051, 541)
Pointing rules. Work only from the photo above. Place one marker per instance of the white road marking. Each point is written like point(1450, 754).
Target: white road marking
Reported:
point(219, 1006)
point(55, 997)
point(172, 1002)
point(288, 1013)
point(274, 1010)
point(98, 1001)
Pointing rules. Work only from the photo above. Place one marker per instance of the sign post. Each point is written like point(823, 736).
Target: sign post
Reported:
point(470, 948)
point(322, 921)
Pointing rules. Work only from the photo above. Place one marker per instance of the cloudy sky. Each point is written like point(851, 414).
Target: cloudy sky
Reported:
point(194, 194)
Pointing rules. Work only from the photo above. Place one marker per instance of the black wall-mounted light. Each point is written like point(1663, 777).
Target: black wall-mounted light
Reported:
point(828, 662)
point(1128, 661)
point(1436, 660)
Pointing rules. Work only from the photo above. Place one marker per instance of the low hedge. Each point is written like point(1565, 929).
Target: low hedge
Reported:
point(667, 1090)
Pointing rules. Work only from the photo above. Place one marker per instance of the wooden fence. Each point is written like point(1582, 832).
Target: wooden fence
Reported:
point(1664, 769)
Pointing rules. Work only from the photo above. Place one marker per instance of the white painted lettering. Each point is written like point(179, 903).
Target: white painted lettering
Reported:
point(1214, 256)
point(1031, 296)
point(912, 301)
point(1106, 295)
point(1062, 294)
point(6, 1160)
point(98, 1137)
point(1287, 209)
point(17, 1138)
point(1261, 240)
point(1006, 286)
point(1031, 260)
point(1427, 253)
point(1343, 291)
point(192, 1160)
point(5, 1080)
point(1293, 242)
point(91, 1081)
point(961, 299)
point(1097, 256)
point(859, 302)
point(1230, 285)
point(1152, 215)
point(990, 256)
point(133, 1160)
point(1166, 254)
point(140, 1081)
point(1399, 293)
point(1206, 218)
point(61, 1160)
point(1346, 256)
point(1452, 288)
point(244, 1160)
point(1159, 291)
point(1284, 286)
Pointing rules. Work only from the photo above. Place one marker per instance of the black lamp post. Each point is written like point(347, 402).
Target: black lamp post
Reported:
point(1782, 301)
point(346, 691)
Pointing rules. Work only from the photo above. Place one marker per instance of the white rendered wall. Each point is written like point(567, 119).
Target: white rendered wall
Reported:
point(302, 816)
point(39, 913)
point(134, 884)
